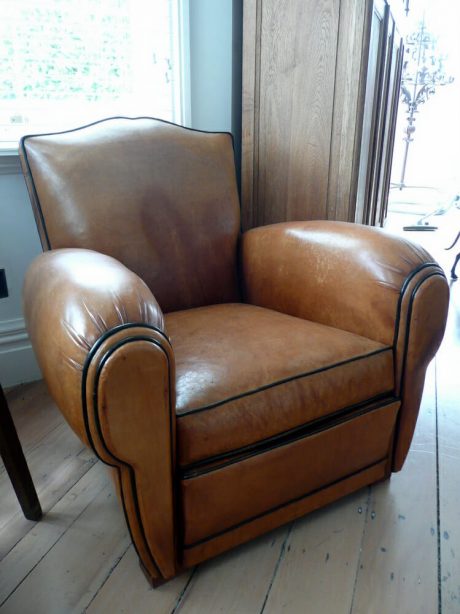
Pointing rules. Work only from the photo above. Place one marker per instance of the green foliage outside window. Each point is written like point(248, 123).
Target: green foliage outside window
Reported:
point(65, 49)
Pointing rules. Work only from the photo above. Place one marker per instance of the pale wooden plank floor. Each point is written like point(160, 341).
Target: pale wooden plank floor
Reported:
point(394, 547)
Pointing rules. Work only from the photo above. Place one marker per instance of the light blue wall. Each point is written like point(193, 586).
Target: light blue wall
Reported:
point(19, 244)
point(211, 64)
point(215, 66)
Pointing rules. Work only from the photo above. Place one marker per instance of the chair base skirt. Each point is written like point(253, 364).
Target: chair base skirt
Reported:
point(222, 499)
point(248, 495)
point(250, 530)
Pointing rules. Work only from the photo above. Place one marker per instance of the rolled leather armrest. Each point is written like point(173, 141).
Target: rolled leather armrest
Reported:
point(360, 279)
point(100, 340)
point(71, 298)
point(343, 275)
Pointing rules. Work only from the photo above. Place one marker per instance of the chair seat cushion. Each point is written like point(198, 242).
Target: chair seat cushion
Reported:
point(245, 375)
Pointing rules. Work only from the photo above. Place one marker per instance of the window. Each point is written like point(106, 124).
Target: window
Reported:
point(65, 63)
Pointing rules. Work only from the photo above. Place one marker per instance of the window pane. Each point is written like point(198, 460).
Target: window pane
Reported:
point(67, 62)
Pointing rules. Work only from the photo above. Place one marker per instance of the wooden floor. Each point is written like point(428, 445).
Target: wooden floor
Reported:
point(392, 548)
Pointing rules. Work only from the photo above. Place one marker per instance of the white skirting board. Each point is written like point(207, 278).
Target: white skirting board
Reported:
point(17, 361)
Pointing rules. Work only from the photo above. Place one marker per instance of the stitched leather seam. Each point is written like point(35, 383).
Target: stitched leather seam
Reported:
point(196, 470)
point(281, 381)
point(282, 505)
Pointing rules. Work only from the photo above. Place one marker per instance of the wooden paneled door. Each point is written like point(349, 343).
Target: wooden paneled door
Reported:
point(307, 94)
point(372, 114)
point(380, 112)
point(397, 53)
point(293, 89)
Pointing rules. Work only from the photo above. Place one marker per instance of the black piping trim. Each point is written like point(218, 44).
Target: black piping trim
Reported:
point(286, 437)
point(36, 201)
point(438, 273)
point(132, 476)
point(100, 121)
point(281, 381)
point(108, 119)
point(406, 283)
point(411, 304)
point(402, 294)
point(278, 507)
point(106, 335)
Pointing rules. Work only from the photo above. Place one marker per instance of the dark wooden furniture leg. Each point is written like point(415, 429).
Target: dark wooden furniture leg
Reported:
point(452, 272)
point(15, 463)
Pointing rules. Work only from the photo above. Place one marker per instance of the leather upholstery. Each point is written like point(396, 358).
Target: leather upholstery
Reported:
point(359, 279)
point(217, 501)
point(77, 296)
point(423, 316)
point(128, 408)
point(245, 374)
point(288, 512)
point(346, 276)
point(79, 307)
point(145, 192)
point(236, 411)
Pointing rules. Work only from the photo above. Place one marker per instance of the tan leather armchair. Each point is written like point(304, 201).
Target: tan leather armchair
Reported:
point(234, 382)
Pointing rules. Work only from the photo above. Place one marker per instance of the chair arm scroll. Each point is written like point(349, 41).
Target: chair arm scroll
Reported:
point(72, 297)
point(100, 340)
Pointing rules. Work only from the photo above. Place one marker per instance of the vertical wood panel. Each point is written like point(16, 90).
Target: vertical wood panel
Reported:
point(297, 72)
point(383, 126)
point(367, 163)
point(395, 84)
point(314, 122)
point(288, 92)
point(347, 123)
point(250, 105)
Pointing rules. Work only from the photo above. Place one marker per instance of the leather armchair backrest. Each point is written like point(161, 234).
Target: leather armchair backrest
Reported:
point(160, 198)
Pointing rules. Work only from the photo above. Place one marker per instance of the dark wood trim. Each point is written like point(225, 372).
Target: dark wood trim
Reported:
point(16, 465)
